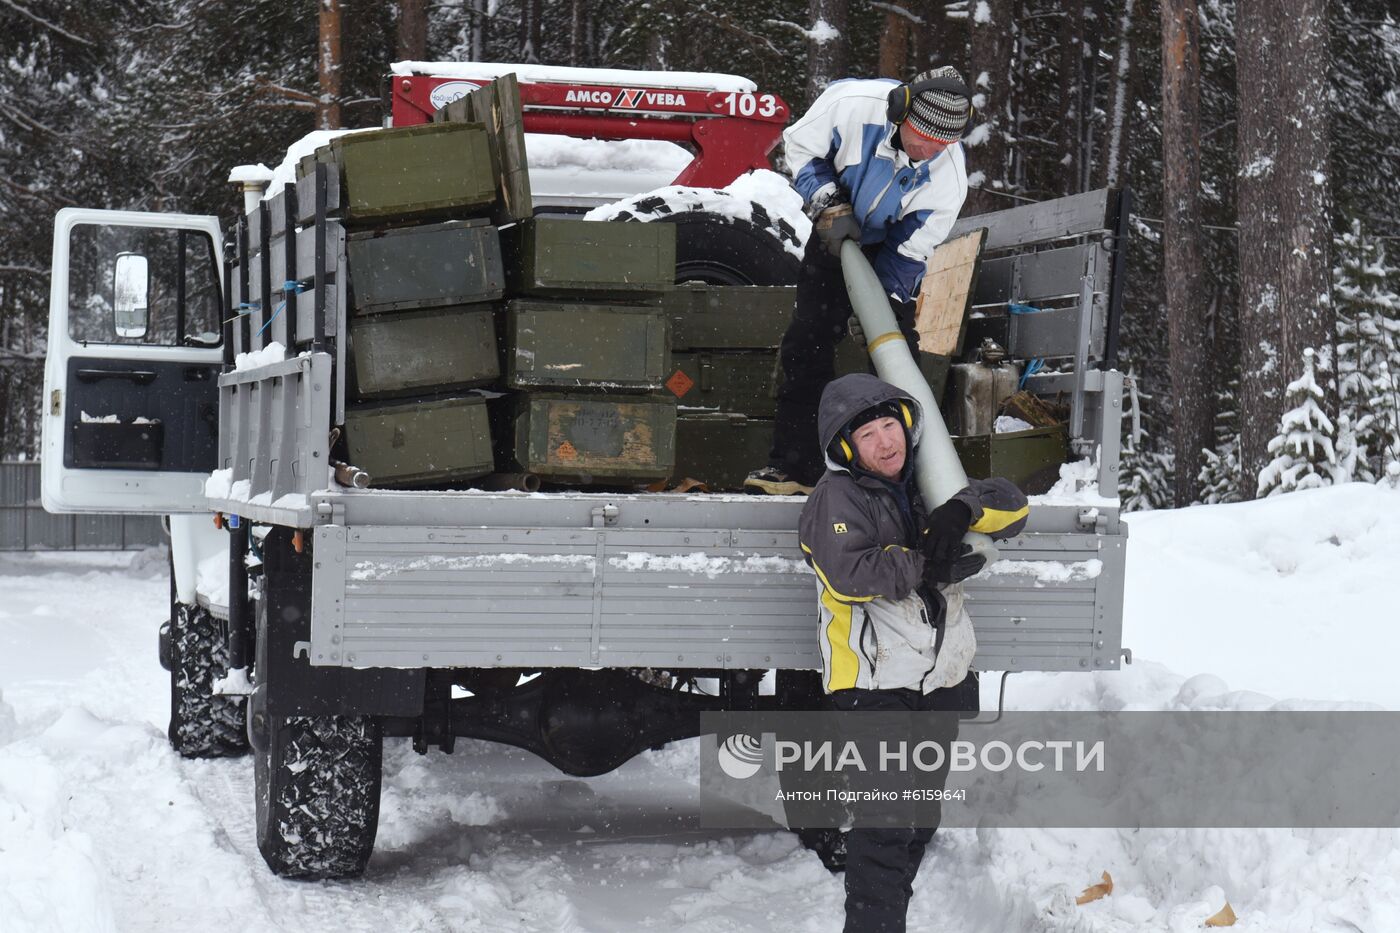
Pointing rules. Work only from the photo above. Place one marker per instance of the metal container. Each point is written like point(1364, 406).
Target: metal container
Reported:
point(1030, 459)
point(737, 381)
point(565, 345)
point(416, 352)
point(412, 172)
point(979, 389)
point(728, 317)
point(420, 442)
point(719, 450)
point(554, 256)
point(425, 267)
point(585, 440)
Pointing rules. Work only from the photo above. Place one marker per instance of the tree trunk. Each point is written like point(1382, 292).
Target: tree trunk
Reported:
point(529, 35)
point(578, 27)
point(1120, 105)
point(1071, 76)
point(1306, 247)
point(826, 45)
point(477, 24)
point(940, 40)
point(1285, 303)
point(1181, 249)
point(894, 47)
point(328, 66)
point(1091, 42)
point(992, 35)
point(413, 31)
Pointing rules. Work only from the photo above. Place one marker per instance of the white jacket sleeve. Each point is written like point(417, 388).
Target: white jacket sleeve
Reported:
point(811, 145)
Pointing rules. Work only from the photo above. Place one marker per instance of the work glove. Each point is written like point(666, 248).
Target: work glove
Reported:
point(828, 195)
point(856, 331)
point(947, 526)
point(836, 225)
point(945, 572)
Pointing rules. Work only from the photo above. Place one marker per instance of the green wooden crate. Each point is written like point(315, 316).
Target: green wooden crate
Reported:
point(561, 257)
point(415, 352)
point(425, 267)
point(567, 345)
point(1030, 459)
point(736, 381)
point(728, 317)
point(497, 106)
point(853, 359)
point(584, 440)
point(421, 442)
point(720, 450)
point(412, 173)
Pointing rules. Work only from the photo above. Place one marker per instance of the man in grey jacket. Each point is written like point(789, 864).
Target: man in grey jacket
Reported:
point(894, 633)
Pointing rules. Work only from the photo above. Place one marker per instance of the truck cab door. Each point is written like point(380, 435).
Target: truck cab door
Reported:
point(131, 407)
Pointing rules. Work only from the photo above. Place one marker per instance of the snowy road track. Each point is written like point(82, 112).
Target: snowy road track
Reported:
point(103, 828)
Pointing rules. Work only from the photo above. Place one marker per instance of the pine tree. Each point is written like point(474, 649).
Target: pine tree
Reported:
point(1304, 450)
point(1145, 474)
point(1221, 477)
point(1368, 352)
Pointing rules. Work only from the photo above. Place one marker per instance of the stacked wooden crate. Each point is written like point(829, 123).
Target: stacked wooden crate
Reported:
point(586, 352)
point(725, 375)
point(456, 300)
point(425, 267)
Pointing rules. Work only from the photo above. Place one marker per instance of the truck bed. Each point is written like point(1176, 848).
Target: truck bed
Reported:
point(505, 579)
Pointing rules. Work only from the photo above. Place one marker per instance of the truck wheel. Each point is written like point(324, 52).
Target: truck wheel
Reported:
point(202, 724)
point(317, 788)
point(720, 250)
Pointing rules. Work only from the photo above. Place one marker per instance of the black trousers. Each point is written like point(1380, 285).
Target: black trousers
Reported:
point(882, 862)
point(808, 358)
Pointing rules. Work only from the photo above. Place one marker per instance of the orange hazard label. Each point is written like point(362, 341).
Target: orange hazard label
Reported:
point(680, 383)
point(566, 451)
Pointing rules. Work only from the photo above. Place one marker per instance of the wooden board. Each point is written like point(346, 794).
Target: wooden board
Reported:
point(497, 106)
point(1049, 220)
point(945, 298)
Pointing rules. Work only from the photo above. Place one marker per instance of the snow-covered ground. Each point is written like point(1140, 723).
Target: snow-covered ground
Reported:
point(103, 828)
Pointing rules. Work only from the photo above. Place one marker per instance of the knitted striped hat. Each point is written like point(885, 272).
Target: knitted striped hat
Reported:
point(939, 114)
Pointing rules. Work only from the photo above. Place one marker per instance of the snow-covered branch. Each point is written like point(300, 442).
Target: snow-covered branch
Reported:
point(51, 26)
point(898, 11)
point(821, 32)
point(762, 43)
point(299, 100)
point(6, 267)
point(46, 197)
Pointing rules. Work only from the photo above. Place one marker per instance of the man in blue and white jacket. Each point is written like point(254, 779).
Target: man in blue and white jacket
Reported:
point(896, 188)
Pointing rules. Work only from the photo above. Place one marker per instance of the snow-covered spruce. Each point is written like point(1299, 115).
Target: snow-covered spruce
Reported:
point(317, 789)
point(1304, 450)
point(749, 233)
point(202, 724)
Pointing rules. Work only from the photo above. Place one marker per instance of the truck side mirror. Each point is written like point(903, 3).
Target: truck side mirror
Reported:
point(130, 288)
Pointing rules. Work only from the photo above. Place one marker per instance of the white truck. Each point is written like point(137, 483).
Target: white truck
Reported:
point(309, 620)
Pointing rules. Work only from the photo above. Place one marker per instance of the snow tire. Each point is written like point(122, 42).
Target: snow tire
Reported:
point(721, 250)
point(202, 724)
point(317, 791)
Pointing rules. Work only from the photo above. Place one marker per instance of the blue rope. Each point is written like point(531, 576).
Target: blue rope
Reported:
point(1014, 308)
point(271, 319)
point(1033, 367)
point(288, 287)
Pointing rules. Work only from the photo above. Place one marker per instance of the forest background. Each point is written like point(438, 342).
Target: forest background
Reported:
point(1260, 138)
